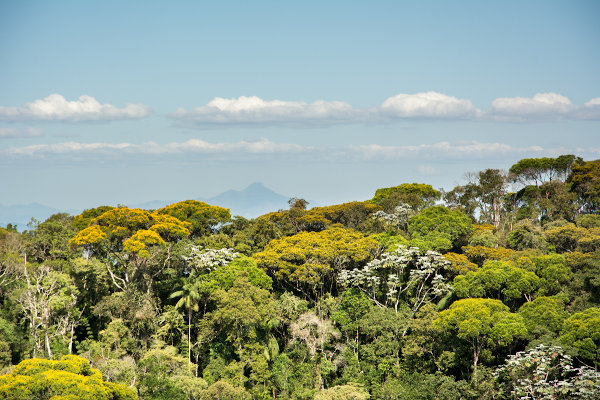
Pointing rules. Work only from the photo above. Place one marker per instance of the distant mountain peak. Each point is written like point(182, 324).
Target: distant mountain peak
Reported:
point(255, 200)
point(257, 185)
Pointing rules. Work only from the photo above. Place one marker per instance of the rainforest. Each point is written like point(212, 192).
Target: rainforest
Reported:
point(490, 290)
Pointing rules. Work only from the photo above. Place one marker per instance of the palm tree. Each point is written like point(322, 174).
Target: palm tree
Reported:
point(189, 297)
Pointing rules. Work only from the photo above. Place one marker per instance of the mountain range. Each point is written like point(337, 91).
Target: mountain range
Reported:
point(251, 202)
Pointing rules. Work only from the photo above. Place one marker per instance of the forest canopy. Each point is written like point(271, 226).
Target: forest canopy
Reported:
point(490, 290)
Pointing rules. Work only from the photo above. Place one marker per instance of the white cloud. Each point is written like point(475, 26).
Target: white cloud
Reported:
point(254, 110)
point(19, 132)
point(428, 105)
point(262, 146)
point(440, 150)
point(541, 105)
point(56, 108)
point(590, 110)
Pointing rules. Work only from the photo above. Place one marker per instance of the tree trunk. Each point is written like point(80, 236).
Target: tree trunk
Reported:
point(48, 346)
point(189, 340)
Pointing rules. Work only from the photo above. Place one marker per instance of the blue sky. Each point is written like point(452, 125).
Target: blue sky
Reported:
point(129, 101)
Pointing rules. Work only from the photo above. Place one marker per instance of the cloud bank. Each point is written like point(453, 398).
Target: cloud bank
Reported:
point(56, 108)
point(262, 146)
point(248, 149)
point(254, 111)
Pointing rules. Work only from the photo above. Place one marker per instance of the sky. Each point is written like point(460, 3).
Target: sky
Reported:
point(123, 102)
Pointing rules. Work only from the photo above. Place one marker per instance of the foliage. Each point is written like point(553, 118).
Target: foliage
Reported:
point(203, 217)
point(69, 377)
point(352, 215)
point(546, 373)
point(544, 314)
point(352, 300)
point(312, 258)
point(440, 222)
point(482, 323)
point(404, 275)
point(582, 331)
point(585, 181)
point(498, 279)
point(539, 170)
point(417, 195)
point(343, 392)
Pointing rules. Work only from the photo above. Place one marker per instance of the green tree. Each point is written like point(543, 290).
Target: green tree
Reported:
point(585, 181)
point(439, 222)
point(544, 314)
point(582, 332)
point(482, 323)
point(484, 194)
point(539, 170)
point(189, 298)
point(417, 195)
point(498, 279)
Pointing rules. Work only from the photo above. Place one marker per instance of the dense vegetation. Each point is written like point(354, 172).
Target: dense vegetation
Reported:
point(474, 293)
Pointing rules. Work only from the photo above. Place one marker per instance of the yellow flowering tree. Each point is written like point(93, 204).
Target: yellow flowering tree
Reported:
point(71, 377)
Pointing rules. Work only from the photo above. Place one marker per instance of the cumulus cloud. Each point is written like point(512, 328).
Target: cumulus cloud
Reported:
point(428, 105)
point(256, 111)
point(56, 108)
point(262, 146)
point(541, 105)
point(6, 133)
point(590, 110)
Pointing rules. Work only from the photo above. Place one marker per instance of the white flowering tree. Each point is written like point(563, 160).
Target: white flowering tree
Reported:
point(546, 373)
point(406, 275)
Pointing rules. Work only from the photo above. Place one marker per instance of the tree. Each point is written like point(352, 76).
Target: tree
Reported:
point(582, 331)
point(135, 245)
point(352, 307)
point(546, 373)
point(481, 323)
point(417, 195)
point(49, 240)
point(498, 279)
point(317, 334)
point(440, 222)
point(71, 377)
point(312, 260)
point(585, 181)
point(189, 297)
point(483, 194)
point(406, 275)
point(544, 314)
point(203, 217)
point(163, 376)
point(353, 215)
point(242, 319)
point(350, 391)
point(48, 300)
point(539, 170)
point(296, 202)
